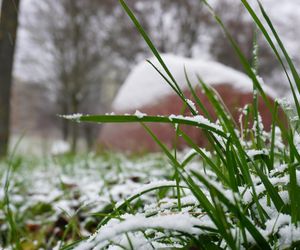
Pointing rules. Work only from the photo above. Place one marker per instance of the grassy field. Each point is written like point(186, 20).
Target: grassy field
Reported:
point(242, 194)
point(52, 201)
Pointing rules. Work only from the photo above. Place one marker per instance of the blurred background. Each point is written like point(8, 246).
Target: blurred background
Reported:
point(73, 55)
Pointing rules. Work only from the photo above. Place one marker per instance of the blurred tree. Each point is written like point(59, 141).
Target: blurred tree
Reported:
point(8, 34)
point(80, 49)
point(66, 32)
point(175, 26)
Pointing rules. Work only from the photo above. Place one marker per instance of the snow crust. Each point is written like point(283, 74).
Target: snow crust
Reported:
point(149, 186)
point(144, 84)
point(179, 222)
point(198, 119)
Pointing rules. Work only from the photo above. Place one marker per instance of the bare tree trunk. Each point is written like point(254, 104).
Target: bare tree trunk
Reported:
point(65, 122)
point(74, 137)
point(8, 34)
point(91, 132)
point(74, 125)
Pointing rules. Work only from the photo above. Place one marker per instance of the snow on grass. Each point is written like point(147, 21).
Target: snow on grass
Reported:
point(184, 223)
point(192, 105)
point(253, 152)
point(53, 190)
point(137, 198)
point(75, 117)
point(150, 186)
point(60, 147)
point(198, 119)
point(139, 114)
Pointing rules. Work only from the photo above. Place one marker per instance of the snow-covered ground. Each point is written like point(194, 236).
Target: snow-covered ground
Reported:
point(45, 194)
point(67, 198)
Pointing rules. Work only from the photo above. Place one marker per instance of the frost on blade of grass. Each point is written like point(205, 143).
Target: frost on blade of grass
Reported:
point(75, 117)
point(198, 119)
point(139, 114)
point(192, 105)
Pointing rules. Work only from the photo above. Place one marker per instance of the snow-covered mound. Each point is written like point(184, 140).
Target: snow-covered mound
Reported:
point(144, 85)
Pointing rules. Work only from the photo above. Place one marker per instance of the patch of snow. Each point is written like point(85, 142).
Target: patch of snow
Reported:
point(177, 222)
point(297, 140)
point(60, 147)
point(288, 234)
point(253, 152)
point(139, 114)
point(285, 103)
point(151, 185)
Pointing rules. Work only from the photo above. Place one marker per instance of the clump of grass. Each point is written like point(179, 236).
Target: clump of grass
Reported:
point(244, 193)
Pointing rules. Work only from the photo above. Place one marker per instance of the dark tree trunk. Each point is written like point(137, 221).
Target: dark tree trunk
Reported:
point(8, 34)
point(74, 137)
point(74, 126)
point(65, 122)
point(91, 132)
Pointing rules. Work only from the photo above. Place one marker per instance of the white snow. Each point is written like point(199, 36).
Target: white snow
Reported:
point(150, 186)
point(198, 119)
point(144, 85)
point(178, 222)
point(139, 114)
point(253, 152)
point(75, 117)
point(60, 147)
point(192, 105)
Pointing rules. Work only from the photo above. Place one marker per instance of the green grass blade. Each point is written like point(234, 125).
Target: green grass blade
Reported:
point(273, 135)
point(272, 45)
point(172, 82)
point(294, 193)
point(148, 41)
point(234, 208)
point(282, 47)
point(212, 165)
point(272, 192)
point(197, 99)
point(192, 121)
point(165, 78)
point(130, 199)
point(231, 168)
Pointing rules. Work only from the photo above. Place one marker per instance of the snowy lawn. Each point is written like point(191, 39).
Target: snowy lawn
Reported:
point(135, 203)
point(244, 193)
point(64, 198)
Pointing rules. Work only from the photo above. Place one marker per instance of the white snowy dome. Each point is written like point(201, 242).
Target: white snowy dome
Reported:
point(144, 85)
